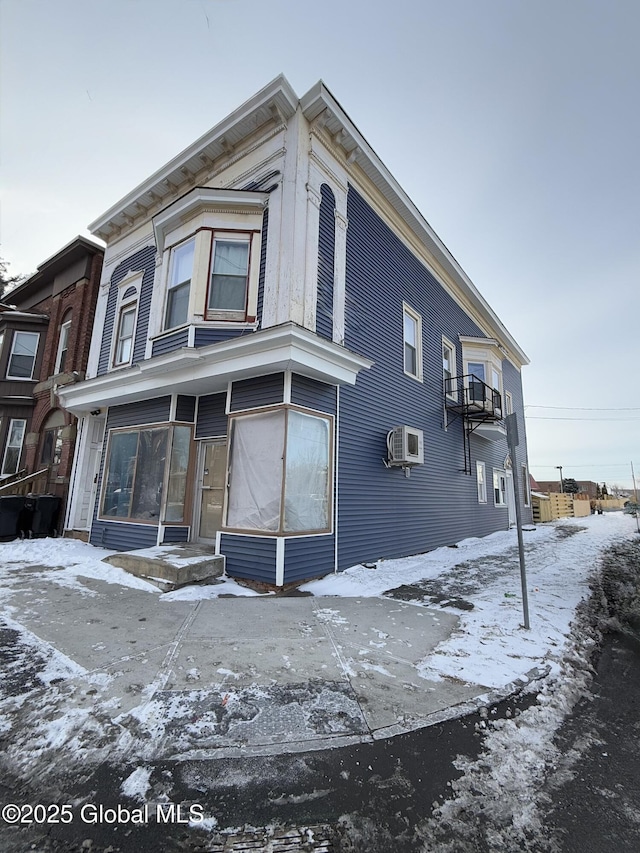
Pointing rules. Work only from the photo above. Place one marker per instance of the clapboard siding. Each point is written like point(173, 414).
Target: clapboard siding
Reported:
point(142, 412)
point(143, 260)
point(123, 537)
point(261, 391)
point(326, 254)
point(175, 534)
point(205, 336)
point(170, 342)
point(313, 394)
point(212, 418)
point(185, 408)
point(308, 557)
point(251, 557)
point(383, 514)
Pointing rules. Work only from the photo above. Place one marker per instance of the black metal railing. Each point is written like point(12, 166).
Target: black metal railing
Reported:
point(470, 396)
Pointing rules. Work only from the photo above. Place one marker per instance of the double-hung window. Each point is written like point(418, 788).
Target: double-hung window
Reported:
point(449, 368)
point(228, 286)
point(181, 272)
point(22, 359)
point(63, 346)
point(499, 487)
point(481, 477)
point(124, 340)
point(412, 327)
point(13, 450)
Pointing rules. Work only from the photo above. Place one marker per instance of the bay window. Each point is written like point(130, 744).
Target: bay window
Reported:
point(179, 286)
point(142, 463)
point(22, 359)
point(229, 278)
point(280, 472)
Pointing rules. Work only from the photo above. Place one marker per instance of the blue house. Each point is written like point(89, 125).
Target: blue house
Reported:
point(287, 363)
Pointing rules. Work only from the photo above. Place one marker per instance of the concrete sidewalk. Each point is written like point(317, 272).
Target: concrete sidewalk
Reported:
point(229, 676)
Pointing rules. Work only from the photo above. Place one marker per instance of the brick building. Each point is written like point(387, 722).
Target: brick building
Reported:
point(45, 334)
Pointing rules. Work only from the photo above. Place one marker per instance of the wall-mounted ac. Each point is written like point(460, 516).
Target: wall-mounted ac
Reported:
point(405, 445)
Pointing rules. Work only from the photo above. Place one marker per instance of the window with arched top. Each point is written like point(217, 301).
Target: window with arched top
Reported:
point(51, 449)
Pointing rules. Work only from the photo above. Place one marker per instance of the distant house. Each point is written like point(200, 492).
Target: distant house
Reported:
point(46, 332)
point(586, 487)
point(287, 363)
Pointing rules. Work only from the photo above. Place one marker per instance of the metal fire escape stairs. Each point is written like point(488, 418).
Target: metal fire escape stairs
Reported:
point(478, 405)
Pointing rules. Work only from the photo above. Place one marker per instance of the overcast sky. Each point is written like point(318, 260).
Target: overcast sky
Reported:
point(513, 125)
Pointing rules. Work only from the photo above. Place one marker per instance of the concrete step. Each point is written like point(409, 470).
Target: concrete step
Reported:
point(171, 566)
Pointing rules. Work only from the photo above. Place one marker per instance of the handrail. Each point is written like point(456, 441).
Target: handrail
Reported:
point(23, 481)
point(473, 392)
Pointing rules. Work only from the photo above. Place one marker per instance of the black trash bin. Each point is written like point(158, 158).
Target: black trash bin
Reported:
point(11, 515)
point(46, 509)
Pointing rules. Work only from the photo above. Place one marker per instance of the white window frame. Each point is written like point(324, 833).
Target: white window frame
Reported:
point(499, 493)
point(175, 285)
point(408, 311)
point(508, 403)
point(16, 333)
point(63, 344)
point(452, 395)
point(18, 445)
point(481, 480)
point(125, 308)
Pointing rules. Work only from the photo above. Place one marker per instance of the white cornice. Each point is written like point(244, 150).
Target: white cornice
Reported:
point(207, 370)
point(271, 105)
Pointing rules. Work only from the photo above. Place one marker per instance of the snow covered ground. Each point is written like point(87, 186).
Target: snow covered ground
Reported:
point(490, 647)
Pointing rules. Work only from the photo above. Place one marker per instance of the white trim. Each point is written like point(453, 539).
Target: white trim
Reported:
point(280, 544)
point(499, 472)
point(481, 492)
point(454, 368)
point(286, 391)
point(64, 328)
point(208, 370)
point(336, 455)
point(229, 394)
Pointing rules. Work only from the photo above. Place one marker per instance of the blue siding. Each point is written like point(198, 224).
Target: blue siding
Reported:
point(205, 336)
point(175, 534)
point(263, 262)
point(143, 412)
point(170, 342)
point(185, 408)
point(123, 537)
point(326, 254)
point(142, 260)
point(260, 391)
point(212, 418)
point(383, 514)
point(308, 557)
point(251, 557)
point(313, 394)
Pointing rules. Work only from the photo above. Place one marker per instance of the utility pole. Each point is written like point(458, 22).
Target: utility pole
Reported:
point(513, 441)
point(559, 467)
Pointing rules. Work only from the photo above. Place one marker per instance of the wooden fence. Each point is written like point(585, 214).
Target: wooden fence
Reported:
point(556, 505)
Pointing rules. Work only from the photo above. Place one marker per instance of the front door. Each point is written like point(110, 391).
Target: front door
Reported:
point(212, 471)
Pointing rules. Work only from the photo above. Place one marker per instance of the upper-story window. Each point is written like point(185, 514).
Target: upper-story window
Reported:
point(209, 242)
point(63, 346)
point(449, 368)
point(22, 359)
point(412, 342)
point(229, 277)
point(177, 310)
point(483, 372)
point(124, 340)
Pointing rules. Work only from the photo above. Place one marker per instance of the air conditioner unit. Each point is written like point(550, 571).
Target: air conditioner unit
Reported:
point(406, 446)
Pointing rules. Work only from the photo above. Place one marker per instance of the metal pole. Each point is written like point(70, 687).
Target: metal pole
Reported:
point(635, 496)
point(559, 467)
point(512, 441)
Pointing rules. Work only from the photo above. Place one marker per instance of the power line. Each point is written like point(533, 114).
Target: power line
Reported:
point(584, 408)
